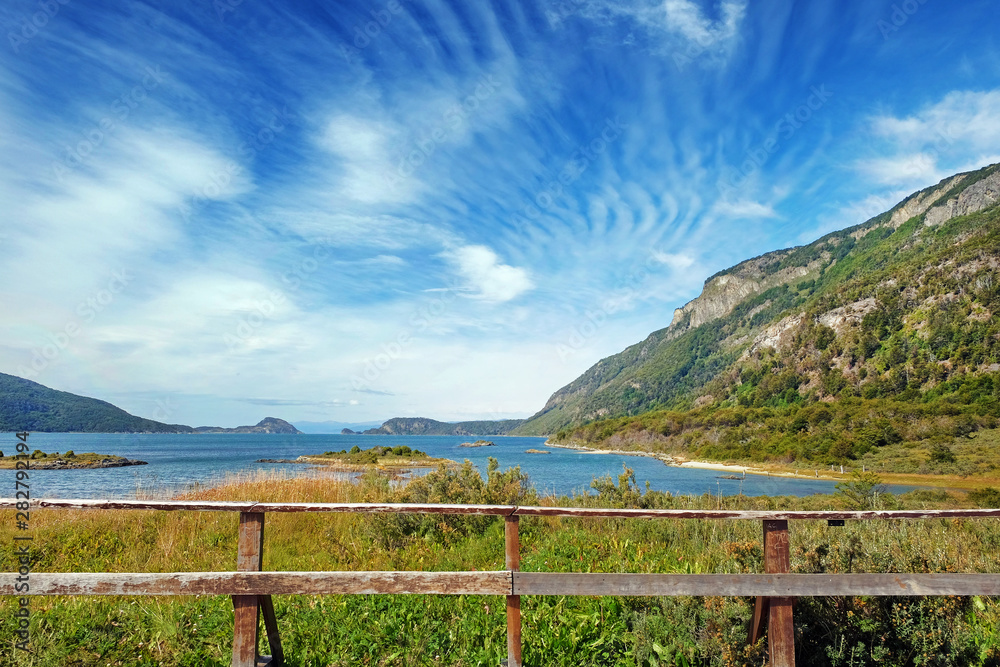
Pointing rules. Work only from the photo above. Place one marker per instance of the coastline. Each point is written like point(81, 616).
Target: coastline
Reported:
point(945, 482)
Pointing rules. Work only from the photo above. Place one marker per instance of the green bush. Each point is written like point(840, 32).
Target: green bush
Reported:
point(986, 497)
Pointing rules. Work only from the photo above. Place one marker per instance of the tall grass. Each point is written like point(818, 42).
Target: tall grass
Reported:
point(470, 630)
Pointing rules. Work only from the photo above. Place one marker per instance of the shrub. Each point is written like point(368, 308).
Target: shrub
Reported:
point(987, 497)
point(449, 485)
point(941, 453)
point(862, 492)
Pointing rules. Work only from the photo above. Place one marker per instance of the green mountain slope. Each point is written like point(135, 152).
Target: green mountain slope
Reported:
point(894, 307)
point(425, 426)
point(29, 406)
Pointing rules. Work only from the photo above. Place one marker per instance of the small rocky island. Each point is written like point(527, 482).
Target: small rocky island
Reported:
point(39, 460)
point(362, 459)
point(479, 443)
point(537, 451)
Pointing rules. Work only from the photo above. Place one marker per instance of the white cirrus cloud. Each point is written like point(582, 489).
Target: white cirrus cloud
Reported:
point(687, 18)
point(684, 18)
point(920, 149)
point(744, 209)
point(486, 277)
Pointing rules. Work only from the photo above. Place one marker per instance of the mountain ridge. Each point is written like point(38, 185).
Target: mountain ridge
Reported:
point(26, 405)
point(426, 426)
point(753, 305)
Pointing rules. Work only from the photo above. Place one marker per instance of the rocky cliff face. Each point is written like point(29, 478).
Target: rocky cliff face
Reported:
point(977, 197)
point(762, 303)
point(917, 204)
point(723, 293)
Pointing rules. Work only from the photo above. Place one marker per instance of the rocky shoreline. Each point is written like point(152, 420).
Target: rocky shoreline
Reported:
point(63, 464)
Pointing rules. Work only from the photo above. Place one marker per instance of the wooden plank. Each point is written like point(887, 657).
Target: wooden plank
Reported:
point(263, 583)
point(277, 656)
point(168, 505)
point(499, 510)
point(748, 585)
point(387, 508)
point(250, 545)
point(756, 515)
point(780, 625)
point(221, 506)
point(245, 622)
point(758, 621)
point(512, 556)
point(246, 608)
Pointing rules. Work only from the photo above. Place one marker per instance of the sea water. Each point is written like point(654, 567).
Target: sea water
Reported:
point(180, 462)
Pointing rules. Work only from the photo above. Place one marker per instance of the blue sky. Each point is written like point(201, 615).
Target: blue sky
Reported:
point(357, 210)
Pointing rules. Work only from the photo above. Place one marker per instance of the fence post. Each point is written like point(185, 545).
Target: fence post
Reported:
point(780, 628)
point(512, 552)
point(246, 608)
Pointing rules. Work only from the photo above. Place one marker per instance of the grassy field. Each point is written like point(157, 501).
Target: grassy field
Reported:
point(319, 631)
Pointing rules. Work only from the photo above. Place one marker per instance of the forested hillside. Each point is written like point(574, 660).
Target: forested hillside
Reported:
point(425, 426)
point(898, 311)
point(29, 406)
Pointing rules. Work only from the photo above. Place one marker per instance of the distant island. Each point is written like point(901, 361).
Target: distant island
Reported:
point(425, 426)
point(266, 425)
point(29, 406)
point(356, 459)
point(39, 460)
point(479, 443)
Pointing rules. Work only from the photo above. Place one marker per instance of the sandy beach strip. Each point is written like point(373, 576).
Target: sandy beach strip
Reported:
point(702, 465)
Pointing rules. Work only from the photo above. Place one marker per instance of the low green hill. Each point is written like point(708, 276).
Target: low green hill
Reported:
point(29, 406)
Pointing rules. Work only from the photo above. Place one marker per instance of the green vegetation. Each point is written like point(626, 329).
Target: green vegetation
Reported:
point(469, 630)
point(29, 406)
point(425, 426)
point(888, 354)
point(944, 433)
point(383, 456)
point(38, 458)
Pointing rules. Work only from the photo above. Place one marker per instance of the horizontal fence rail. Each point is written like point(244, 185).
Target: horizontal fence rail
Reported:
point(503, 583)
point(251, 589)
point(500, 510)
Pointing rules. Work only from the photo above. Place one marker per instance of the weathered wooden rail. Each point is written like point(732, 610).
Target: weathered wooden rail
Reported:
point(251, 589)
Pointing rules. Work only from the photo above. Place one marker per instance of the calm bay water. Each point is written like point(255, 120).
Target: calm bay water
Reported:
point(177, 462)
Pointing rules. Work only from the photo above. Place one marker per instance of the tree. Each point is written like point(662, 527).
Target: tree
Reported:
point(862, 492)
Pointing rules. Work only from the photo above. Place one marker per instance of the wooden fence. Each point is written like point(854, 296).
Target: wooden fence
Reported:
point(251, 589)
